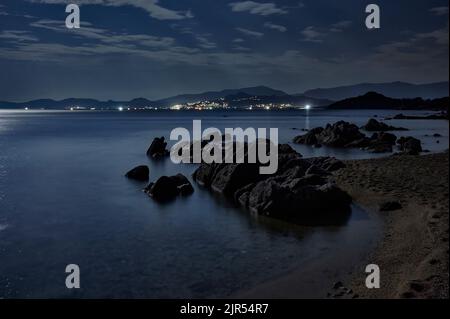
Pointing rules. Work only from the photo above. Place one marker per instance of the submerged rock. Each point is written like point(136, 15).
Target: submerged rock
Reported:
point(167, 188)
point(300, 191)
point(158, 148)
point(139, 173)
point(374, 126)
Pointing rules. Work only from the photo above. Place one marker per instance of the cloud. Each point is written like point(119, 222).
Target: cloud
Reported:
point(340, 26)
point(203, 39)
point(151, 6)
point(205, 43)
point(311, 34)
point(439, 11)
point(250, 33)
point(263, 9)
point(103, 35)
point(18, 36)
point(275, 27)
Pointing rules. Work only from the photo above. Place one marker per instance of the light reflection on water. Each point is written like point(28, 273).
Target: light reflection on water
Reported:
point(65, 200)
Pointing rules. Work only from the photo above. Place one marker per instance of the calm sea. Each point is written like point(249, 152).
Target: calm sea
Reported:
point(64, 200)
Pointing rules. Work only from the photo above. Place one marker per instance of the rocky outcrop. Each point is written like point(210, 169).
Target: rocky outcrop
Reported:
point(139, 173)
point(336, 135)
point(374, 126)
point(301, 191)
point(344, 134)
point(167, 188)
point(410, 145)
point(158, 148)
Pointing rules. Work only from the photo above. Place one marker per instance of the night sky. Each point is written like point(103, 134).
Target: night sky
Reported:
point(154, 49)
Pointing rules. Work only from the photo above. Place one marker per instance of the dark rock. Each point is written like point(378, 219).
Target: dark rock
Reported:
point(339, 134)
point(315, 170)
point(387, 138)
point(338, 285)
point(410, 145)
point(329, 164)
point(168, 188)
point(437, 135)
point(381, 142)
point(139, 173)
point(390, 206)
point(374, 126)
point(158, 148)
point(186, 189)
point(184, 186)
point(299, 191)
point(164, 189)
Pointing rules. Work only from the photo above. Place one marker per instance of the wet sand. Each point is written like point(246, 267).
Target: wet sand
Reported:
point(413, 251)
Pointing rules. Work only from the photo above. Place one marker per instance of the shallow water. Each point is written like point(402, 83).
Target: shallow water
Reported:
point(63, 200)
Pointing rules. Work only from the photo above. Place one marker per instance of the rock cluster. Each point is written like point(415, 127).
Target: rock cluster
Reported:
point(374, 126)
point(301, 190)
point(347, 135)
point(139, 173)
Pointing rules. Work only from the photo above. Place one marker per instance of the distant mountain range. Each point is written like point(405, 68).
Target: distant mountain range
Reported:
point(401, 95)
point(373, 100)
point(394, 90)
point(234, 97)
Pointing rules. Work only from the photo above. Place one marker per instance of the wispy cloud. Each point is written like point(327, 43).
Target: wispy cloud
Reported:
point(258, 8)
point(250, 33)
point(311, 34)
point(439, 11)
point(151, 6)
point(273, 26)
point(340, 26)
point(205, 43)
point(18, 36)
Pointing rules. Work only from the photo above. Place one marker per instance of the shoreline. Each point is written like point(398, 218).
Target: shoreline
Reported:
point(412, 251)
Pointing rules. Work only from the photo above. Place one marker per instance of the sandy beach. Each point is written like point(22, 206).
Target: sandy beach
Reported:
point(412, 253)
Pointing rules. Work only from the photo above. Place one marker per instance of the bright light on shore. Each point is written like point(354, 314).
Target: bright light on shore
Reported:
point(120, 108)
point(307, 107)
point(176, 107)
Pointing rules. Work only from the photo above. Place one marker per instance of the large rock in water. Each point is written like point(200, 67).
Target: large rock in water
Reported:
point(338, 134)
point(139, 173)
point(410, 145)
point(158, 148)
point(168, 188)
point(300, 191)
point(374, 126)
point(344, 134)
